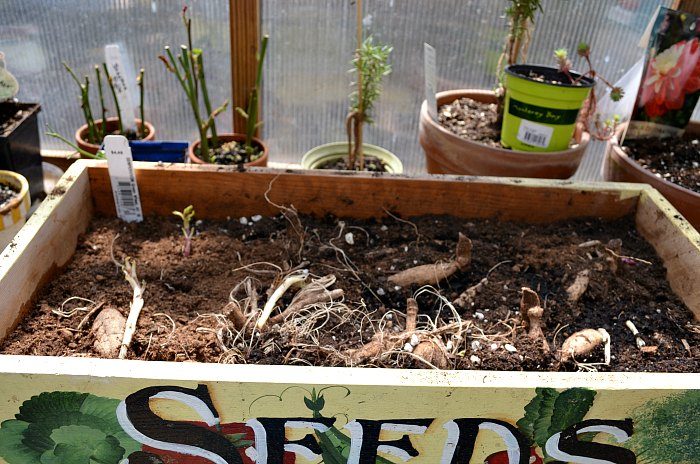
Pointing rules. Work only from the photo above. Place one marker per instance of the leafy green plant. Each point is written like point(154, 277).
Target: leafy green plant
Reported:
point(186, 215)
point(65, 428)
point(188, 68)
point(551, 412)
point(8, 84)
point(251, 113)
point(370, 65)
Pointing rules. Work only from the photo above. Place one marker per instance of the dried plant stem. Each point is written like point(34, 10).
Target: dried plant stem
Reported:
point(292, 279)
point(137, 302)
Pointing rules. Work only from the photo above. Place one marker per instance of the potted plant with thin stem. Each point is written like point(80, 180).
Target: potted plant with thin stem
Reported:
point(19, 134)
point(89, 136)
point(534, 127)
point(370, 65)
point(213, 147)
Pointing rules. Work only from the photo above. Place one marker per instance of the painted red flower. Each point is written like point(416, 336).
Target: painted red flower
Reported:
point(669, 77)
point(502, 458)
point(241, 435)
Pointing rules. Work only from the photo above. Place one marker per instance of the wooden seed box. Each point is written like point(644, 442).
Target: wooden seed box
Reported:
point(97, 410)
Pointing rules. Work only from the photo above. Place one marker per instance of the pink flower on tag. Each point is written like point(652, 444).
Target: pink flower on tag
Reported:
point(670, 76)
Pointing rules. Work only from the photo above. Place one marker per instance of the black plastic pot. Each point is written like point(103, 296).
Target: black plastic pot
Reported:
point(19, 145)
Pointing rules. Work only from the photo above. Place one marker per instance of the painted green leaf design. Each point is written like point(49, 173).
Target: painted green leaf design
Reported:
point(570, 407)
point(67, 428)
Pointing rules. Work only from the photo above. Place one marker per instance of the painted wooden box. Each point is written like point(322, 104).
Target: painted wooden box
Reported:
point(89, 411)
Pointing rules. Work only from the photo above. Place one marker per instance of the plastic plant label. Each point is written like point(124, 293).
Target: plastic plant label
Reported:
point(535, 134)
point(8, 84)
point(430, 66)
point(115, 65)
point(121, 175)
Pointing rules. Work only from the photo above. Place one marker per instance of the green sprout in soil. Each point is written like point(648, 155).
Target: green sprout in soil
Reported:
point(251, 113)
point(370, 65)
point(188, 231)
point(96, 131)
point(188, 68)
point(604, 129)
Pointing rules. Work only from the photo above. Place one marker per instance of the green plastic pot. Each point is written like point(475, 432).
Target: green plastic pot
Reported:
point(315, 157)
point(541, 116)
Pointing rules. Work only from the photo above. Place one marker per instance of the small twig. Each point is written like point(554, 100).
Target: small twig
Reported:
point(628, 259)
point(87, 317)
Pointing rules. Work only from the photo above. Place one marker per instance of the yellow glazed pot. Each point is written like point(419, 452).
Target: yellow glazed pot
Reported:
point(14, 213)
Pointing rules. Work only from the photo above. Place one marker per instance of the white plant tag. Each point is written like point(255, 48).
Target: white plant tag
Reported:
point(120, 165)
point(430, 68)
point(535, 134)
point(117, 70)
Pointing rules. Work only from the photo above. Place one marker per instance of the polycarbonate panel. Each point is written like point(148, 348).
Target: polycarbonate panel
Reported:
point(37, 35)
point(312, 41)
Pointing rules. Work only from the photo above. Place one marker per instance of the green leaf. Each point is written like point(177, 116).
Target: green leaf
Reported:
point(570, 407)
point(11, 447)
point(309, 404)
point(538, 412)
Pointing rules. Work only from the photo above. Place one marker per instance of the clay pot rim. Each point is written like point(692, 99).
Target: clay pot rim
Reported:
point(231, 137)
point(618, 155)
point(82, 130)
point(15, 202)
point(441, 97)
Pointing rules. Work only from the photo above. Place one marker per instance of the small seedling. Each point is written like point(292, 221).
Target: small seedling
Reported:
point(188, 231)
point(521, 21)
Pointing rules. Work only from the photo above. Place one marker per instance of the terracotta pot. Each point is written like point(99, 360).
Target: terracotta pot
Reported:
point(261, 162)
point(112, 125)
point(619, 167)
point(447, 153)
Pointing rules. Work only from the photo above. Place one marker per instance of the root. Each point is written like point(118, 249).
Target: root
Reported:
point(313, 294)
point(292, 279)
point(411, 314)
point(467, 296)
point(433, 274)
point(583, 342)
point(531, 314)
point(292, 217)
point(108, 330)
point(579, 287)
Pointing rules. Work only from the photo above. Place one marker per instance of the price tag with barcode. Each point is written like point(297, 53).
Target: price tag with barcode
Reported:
point(120, 165)
point(534, 134)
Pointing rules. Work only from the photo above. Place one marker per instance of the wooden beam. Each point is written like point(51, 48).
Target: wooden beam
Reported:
point(687, 6)
point(245, 38)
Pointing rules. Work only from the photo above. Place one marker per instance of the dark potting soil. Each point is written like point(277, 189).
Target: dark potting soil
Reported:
point(235, 153)
point(472, 120)
point(186, 318)
point(10, 116)
point(7, 193)
point(372, 164)
point(675, 160)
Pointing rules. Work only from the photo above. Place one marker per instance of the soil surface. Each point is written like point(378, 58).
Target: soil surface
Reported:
point(472, 120)
point(10, 116)
point(372, 164)
point(234, 153)
point(7, 193)
point(675, 160)
point(186, 316)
